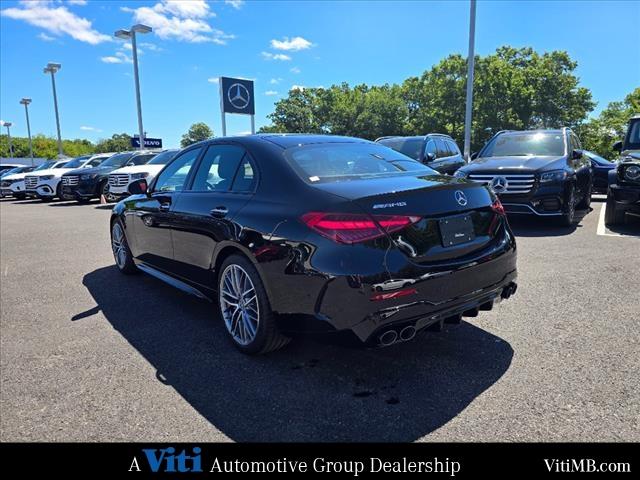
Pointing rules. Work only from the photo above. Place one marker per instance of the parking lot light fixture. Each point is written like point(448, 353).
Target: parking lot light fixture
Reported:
point(26, 102)
point(8, 125)
point(131, 34)
point(52, 68)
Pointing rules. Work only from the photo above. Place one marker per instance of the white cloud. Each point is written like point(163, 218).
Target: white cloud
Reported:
point(90, 129)
point(276, 56)
point(270, 93)
point(235, 3)
point(213, 80)
point(295, 70)
point(119, 57)
point(151, 47)
point(180, 20)
point(294, 44)
point(77, 2)
point(244, 132)
point(58, 21)
point(275, 81)
point(44, 37)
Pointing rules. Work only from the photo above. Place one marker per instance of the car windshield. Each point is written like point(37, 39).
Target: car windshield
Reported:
point(598, 159)
point(139, 160)
point(45, 166)
point(525, 144)
point(10, 171)
point(163, 157)
point(632, 142)
point(410, 146)
point(76, 162)
point(117, 160)
point(333, 162)
point(61, 165)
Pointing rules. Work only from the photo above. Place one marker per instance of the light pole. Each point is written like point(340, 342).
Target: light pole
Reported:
point(52, 68)
point(126, 34)
point(8, 124)
point(470, 70)
point(26, 102)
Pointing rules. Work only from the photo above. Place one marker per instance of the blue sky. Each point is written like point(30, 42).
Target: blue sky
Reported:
point(279, 44)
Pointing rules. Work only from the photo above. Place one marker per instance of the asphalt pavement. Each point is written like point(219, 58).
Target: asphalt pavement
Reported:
point(88, 354)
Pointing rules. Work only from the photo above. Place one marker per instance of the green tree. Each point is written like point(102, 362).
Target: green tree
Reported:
point(44, 147)
point(598, 134)
point(197, 132)
point(119, 142)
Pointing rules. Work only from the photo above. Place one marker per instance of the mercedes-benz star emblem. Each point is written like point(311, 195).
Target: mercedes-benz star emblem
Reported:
point(238, 96)
point(499, 184)
point(461, 198)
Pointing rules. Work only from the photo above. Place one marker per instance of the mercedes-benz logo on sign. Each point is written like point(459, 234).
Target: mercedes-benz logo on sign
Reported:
point(461, 198)
point(238, 96)
point(499, 184)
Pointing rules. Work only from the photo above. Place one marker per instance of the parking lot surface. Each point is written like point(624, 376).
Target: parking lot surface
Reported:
point(88, 354)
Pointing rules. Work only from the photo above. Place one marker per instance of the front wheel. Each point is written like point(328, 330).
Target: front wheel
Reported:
point(613, 215)
point(568, 217)
point(245, 310)
point(120, 248)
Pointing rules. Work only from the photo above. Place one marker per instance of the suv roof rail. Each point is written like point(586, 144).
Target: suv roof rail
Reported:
point(385, 137)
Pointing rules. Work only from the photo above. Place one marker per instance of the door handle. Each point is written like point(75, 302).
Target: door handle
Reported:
point(165, 206)
point(220, 211)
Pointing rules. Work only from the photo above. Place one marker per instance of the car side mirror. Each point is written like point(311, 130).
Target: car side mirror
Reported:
point(138, 187)
point(576, 154)
point(474, 155)
point(617, 146)
point(430, 157)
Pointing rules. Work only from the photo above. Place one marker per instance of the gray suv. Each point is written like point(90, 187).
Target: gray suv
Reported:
point(435, 150)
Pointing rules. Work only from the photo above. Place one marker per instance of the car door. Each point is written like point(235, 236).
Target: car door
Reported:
point(582, 166)
point(153, 214)
point(224, 182)
point(455, 161)
point(431, 151)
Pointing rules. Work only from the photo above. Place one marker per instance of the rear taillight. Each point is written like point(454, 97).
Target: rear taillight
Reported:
point(497, 207)
point(353, 227)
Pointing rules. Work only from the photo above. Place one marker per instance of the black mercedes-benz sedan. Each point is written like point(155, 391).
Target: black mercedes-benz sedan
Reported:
point(317, 234)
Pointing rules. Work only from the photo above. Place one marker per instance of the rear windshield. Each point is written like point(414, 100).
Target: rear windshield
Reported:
point(632, 142)
point(334, 162)
point(411, 147)
point(525, 144)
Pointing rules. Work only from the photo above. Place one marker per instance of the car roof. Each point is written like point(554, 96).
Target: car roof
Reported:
point(284, 140)
point(417, 136)
point(536, 130)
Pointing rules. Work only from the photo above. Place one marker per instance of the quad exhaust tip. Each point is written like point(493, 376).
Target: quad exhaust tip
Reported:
point(388, 338)
point(407, 333)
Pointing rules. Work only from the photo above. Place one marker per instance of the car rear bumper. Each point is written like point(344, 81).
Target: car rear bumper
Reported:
point(352, 303)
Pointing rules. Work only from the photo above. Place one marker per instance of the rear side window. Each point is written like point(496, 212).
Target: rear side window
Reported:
point(218, 168)
point(443, 151)
point(453, 148)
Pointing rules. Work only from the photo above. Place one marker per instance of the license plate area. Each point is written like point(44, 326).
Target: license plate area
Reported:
point(456, 230)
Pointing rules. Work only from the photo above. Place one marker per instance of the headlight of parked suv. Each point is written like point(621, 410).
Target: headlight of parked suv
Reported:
point(632, 173)
point(460, 174)
point(88, 176)
point(554, 176)
point(138, 176)
point(46, 177)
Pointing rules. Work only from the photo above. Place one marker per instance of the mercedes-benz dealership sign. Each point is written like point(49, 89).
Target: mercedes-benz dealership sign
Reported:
point(237, 95)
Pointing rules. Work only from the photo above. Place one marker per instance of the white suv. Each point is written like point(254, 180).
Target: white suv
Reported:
point(120, 179)
point(12, 184)
point(45, 184)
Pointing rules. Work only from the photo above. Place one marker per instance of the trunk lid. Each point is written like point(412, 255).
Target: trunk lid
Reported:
point(456, 217)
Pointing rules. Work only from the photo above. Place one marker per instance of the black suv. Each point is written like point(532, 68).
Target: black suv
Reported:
point(87, 183)
point(436, 150)
point(623, 196)
point(535, 172)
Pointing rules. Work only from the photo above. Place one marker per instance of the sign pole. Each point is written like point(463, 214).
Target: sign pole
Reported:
point(470, 71)
point(253, 124)
point(224, 117)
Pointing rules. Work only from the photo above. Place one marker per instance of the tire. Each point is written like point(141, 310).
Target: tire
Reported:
point(59, 191)
point(585, 203)
point(613, 215)
point(568, 217)
point(83, 200)
point(20, 196)
point(254, 330)
point(120, 248)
